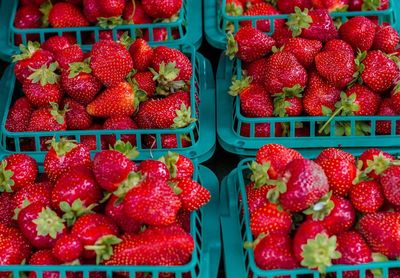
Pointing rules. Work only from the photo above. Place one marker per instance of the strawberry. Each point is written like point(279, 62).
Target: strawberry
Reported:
point(255, 101)
point(380, 231)
point(333, 153)
point(111, 8)
point(331, 5)
point(395, 98)
point(120, 123)
point(284, 72)
point(77, 118)
point(19, 115)
point(110, 62)
point(142, 54)
point(7, 209)
point(67, 56)
point(389, 180)
point(369, 5)
point(41, 87)
point(154, 169)
point(91, 10)
point(27, 17)
point(319, 95)
point(168, 141)
point(313, 25)
point(367, 196)
point(63, 156)
point(67, 248)
point(135, 13)
point(386, 39)
point(365, 102)
point(338, 45)
point(118, 100)
point(355, 5)
point(249, 44)
point(234, 8)
point(40, 225)
point(144, 82)
point(287, 6)
point(287, 106)
point(183, 219)
point(262, 9)
point(63, 15)
point(191, 193)
point(374, 162)
point(31, 57)
point(44, 257)
point(48, 119)
point(386, 109)
point(164, 203)
point(17, 171)
point(256, 70)
point(179, 166)
point(169, 246)
point(90, 141)
point(304, 50)
point(79, 83)
point(359, 32)
point(281, 35)
point(159, 34)
point(256, 196)
point(56, 43)
point(267, 219)
point(161, 9)
point(32, 193)
point(15, 249)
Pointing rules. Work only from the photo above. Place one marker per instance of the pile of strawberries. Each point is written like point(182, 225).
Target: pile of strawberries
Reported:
point(105, 13)
point(333, 210)
point(109, 210)
point(318, 70)
point(124, 85)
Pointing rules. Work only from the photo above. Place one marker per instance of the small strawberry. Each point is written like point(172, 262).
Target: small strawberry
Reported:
point(374, 162)
point(155, 169)
point(67, 56)
point(256, 70)
point(386, 109)
point(249, 44)
point(179, 166)
point(386, 39)
point(268, 219)
point(287, 6)
point(27, 17)
point(17, 171)
point(135, 14)
point(63, 156)
point(120, 123)
point(389, 180)
point(142, 55)
point(161, 9)
point(359, 32)
point(304, 50)
point(19, 115)
point(56, 43)
point(14, 248)
point(7, 209)
point(67, 248)
point(48, 119)
point(333, 153)
point(144, 82)
point(367, 196)
point(44, 257)
point(77, 118)
point(191, 193)
point(264, 9)
point(338, 45)
point(63, 15)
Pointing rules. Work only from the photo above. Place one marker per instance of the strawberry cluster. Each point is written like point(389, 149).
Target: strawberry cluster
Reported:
point(303, 212)
point(105, 13)
point(122, 85)
point(109, 210)
point(318, 70)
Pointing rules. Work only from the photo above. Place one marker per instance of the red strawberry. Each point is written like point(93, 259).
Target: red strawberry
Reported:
point(179, 166)
point(255, 101)
point(120, 123)
point(110, 62)
point(111, 8)
point(154, 169)
point(40, 225)
point(67, 56)
point(368, 5)
point(191, 193)
point(90, 141)
point(256, 196)
point(17, 171)
point(77, 118)
point(168, 141)
point(304, 50)
point(135, 13)
point(164, 203)
point(267, 219)
point(331, 5)
point(44, 257)
point(63, 15)
point(386, 109)
point(249, 44)
point(390, 181)
point(395, 98)
point(375, 162)
point(161, 9)
point(256, 70)
point(359, 32)
point(332, 153)
point(260, 130)
point(56, 43)
point(287, 6)
point(159, 34)
point(169, 246)
point(63, 156)
point(27, 17)
point(48, 119)
point(234, 7)
point(144, 81)
point(91, 10)
point(365, 100)
point(142, 54)
point(281, 35)
point(15, 249)
point(7, 209)
point(183, 219)
point(19, 115)
point(262, 9)
point(386, 39)
point(367, 196)
point(338, 45)
point(67, 248)
point(313, 25)
point(288, 106)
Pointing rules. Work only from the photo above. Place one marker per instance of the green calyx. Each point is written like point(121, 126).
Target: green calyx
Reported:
point(175, 188)
point(104, 247)
point(370, 5)
point(322, 208)
point(273, 194)
point(295, 91)
point(74, 211)
point(360, 67)
point(126, 40)
point(166, 78)
point(231, 47)
point(6, 181)
point(45, 74)
point(62, 147)
point(238, 85)
point(233, 10)
point(125, 148)
point(45, 9)
point(26, 51)
point(183, 117)
point(48, 223)
point(259, 174)
point(17, 210)
point(59, 115)
point(252, 245)
point(298, 21)
point(133, 180)
point(378, 258)
point(170, 159)
point(379, 164)
point(78, 67)
point(319, 252)
point(280, 106)
point(109, 22)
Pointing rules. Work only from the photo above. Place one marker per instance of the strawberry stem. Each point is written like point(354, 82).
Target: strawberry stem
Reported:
point(231, 47)
point(6, 183)
point(48, 223)
point(298, 21)
point(26, 51)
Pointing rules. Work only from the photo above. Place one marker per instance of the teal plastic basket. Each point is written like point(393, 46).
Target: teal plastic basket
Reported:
point(204, 228)
point(216, 19)
point(235, 225)
point(188, 26)
point(201, 132)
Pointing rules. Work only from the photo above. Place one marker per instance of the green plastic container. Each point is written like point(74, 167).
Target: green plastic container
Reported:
point(239, 262)
point(201, 132)
point(188, 26)
point(216, 19)
point(204, 228)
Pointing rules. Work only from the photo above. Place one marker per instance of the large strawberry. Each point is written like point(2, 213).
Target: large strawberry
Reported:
point(63, 15)
point(111, 8)
point(77, 118)
point(179, 166)
point(390, 181)
point(374, 162)
point(338, 45)
point(367, 196)
point(304, 50)
point(15, 249)
point(48, 119)
point(191, 193)
point(91, 10)
point(67, 248)
point(359, 32)
point(265, 9)
point(19, 115)
point(119, 123)
point(142, 54)
point(268, 219)
point(161, 8)
point(386, 39)
point(17, 171)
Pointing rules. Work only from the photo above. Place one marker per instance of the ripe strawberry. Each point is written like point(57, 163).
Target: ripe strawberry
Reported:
point(313, 25)
point(164, 203)
point(365, 100)
point(161, 9)
point(111, 8)
point(380, 231)
point(191, 193)
point(304, 50)
point(332, 5)
point(44, 257)
point(159, 34)
point(338, 45)
point(67, 248)
point(395, 98)
point(15, 249)
point(135, 14)
point(168, 141)
point(27, 17)
point(7, 209)
point(179, 166)
point(333, 153)
point(262, 9)
point(155, 169)
point(284, 71)
point(90, 141)
point(169, 245)
point(256, 196)
point(386, 39)
point(368, 5)
point(281, 35)
point(267, 219)
point(19, 115)
point(91, 10)
point(110, 62)
point(63, 156)
point(389, 180)
point(386, 109)
point(183, 219)
point(142, 54)
point(288, 106)
point(67, 56)
point(48, 119)
point(76, 117)
point(118, 100)
point(17, 171)
point(287, 6)
point(40, 225)
point(56, 43)
point(359, 32)
point(79, 83)
point(256, 70)
point(120, 123)
point(249, 44)
point(63, 15)
point(375, 162)
point(367, 196)
point(255, 101)
point(144, 82)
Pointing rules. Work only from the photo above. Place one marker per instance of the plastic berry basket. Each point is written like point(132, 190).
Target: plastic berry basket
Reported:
point(187, 28)
point(216, 19)
point(235, 227)
point(204, 228)
point(201, 133)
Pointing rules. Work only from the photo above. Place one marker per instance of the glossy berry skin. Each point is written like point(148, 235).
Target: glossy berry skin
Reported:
point(287, 7)
point(19, 115)
point(367, 100)
point(56, 43)
point(330, 153)
point(111, 8)
point(338, 45)
point(372, 157)
point(256, 70)
point(14, 247)
point(386, 39)
point(386, 109)
point(135, 14)
point(39, 95)
point(23, 170)
point(66, 15)
point(69, 55)
point(268, 219)
point(179, 166)
point(193, 195)
point(262, 9)
point(77, 118)
point(322, 27)
point(160, 8)
point(367, 196)
point(43, 120)
point(256, 197)
point(154, 169)
point(255, 102)
point(390, 181)
point(171, 55)
point(146, 83)
point(304, 50)
point(359, 32)
point(142, 54)
point(119, 123)
point(44, 257)
point(67, 248)
point(36, 59)
point(7, 209)
point(33, 193)
point(27, 17)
